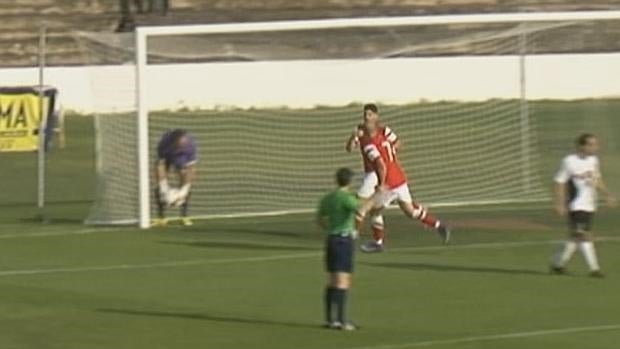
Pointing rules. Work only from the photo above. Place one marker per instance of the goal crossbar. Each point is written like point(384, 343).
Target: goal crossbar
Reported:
point(367, 22)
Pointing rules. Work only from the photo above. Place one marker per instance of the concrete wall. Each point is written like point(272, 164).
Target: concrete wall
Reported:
point(309, 83)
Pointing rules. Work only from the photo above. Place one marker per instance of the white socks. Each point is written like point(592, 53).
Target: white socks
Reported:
point(588, 252)
point(585, 247)
point(376, 221)
point(564, 254)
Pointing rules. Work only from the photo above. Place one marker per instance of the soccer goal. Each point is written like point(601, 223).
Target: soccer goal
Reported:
point(271, 105)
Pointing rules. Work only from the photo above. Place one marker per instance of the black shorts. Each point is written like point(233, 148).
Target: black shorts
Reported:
point(580, 221)
point(339, 254)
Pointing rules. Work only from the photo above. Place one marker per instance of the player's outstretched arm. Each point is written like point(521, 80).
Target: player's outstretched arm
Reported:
point(393, 139)
point(161, 177)
point(560, 198)
point(559, 189)
point(381, 173)
point(397, 146)
point(354, 140)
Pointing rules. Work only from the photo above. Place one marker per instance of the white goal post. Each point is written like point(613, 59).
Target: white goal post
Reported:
point(142, 35)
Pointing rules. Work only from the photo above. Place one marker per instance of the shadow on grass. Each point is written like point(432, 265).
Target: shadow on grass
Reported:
point(202, 227)
point(243, 245)
point(51, 220)
point(267, 232)
point(456, 268)
point(205, 317)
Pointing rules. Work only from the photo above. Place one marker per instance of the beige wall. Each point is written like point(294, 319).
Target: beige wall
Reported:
point(304, 84)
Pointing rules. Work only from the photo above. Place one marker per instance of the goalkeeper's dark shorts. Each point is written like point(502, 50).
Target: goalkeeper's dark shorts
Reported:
point(339, 254)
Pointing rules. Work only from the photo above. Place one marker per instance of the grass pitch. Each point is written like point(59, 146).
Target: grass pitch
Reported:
point(258, 282)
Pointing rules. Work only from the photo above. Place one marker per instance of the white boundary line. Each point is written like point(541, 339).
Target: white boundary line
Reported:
point(101, 268)
point(449, 205)
point(17, 272)
point(496, 244)
point(59, 233)
point(112, 228)
point(512, 335)
point(180, 263)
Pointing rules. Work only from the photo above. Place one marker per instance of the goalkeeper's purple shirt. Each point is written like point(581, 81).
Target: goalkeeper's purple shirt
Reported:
point(180, 157)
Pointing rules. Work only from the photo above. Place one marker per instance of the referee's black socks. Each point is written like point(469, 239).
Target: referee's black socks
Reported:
point(335, 297)
point(329, 302)
point(340, 298)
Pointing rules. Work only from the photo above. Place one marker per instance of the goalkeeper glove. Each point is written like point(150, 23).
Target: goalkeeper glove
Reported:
point(164, 190)
point(179, 196)
point(184, 191)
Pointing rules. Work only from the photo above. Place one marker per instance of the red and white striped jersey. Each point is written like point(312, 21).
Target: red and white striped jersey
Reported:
point(382, 145)
point(392, 138)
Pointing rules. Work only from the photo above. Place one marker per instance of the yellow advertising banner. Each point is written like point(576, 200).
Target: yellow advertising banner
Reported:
point(20, 116)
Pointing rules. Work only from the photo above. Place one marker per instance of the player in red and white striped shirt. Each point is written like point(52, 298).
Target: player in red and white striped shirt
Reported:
point(379, 146)
point(370, 180)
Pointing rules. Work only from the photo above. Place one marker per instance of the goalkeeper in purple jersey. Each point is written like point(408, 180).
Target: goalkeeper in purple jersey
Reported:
point(176, 152)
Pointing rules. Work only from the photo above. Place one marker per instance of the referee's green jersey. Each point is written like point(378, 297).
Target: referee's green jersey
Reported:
point(339, 207)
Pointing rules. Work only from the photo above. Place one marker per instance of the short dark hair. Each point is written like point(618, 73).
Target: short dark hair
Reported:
point(372, 107)
point(583, 139)
point(344, 176)
point(176, 134)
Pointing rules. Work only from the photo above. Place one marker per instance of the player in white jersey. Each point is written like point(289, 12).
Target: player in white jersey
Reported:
point(576, 186)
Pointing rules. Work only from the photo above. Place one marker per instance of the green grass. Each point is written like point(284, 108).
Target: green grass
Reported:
point(207, 286)
point(257, 282)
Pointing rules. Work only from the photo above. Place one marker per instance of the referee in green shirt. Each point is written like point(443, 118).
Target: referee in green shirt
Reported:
point(336, 215)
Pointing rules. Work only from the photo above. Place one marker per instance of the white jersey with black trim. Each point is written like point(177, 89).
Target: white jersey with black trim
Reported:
point(581, 174)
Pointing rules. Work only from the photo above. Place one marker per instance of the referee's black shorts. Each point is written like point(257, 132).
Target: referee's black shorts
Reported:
point(339, 254)
point(580, 221)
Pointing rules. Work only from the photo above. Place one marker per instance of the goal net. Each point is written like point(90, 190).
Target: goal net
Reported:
point(270, 106)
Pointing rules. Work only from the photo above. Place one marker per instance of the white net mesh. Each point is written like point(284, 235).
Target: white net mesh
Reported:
point(114, 103)
point(270, 112)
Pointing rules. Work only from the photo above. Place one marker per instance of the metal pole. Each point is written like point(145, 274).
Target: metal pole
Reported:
point(142, 123)
point(524, 113)
point(42, 123)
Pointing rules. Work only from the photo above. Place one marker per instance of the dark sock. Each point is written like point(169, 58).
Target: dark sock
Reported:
point(160, 204)
point(341, 302)
point(329, 302)
point(185, 206)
